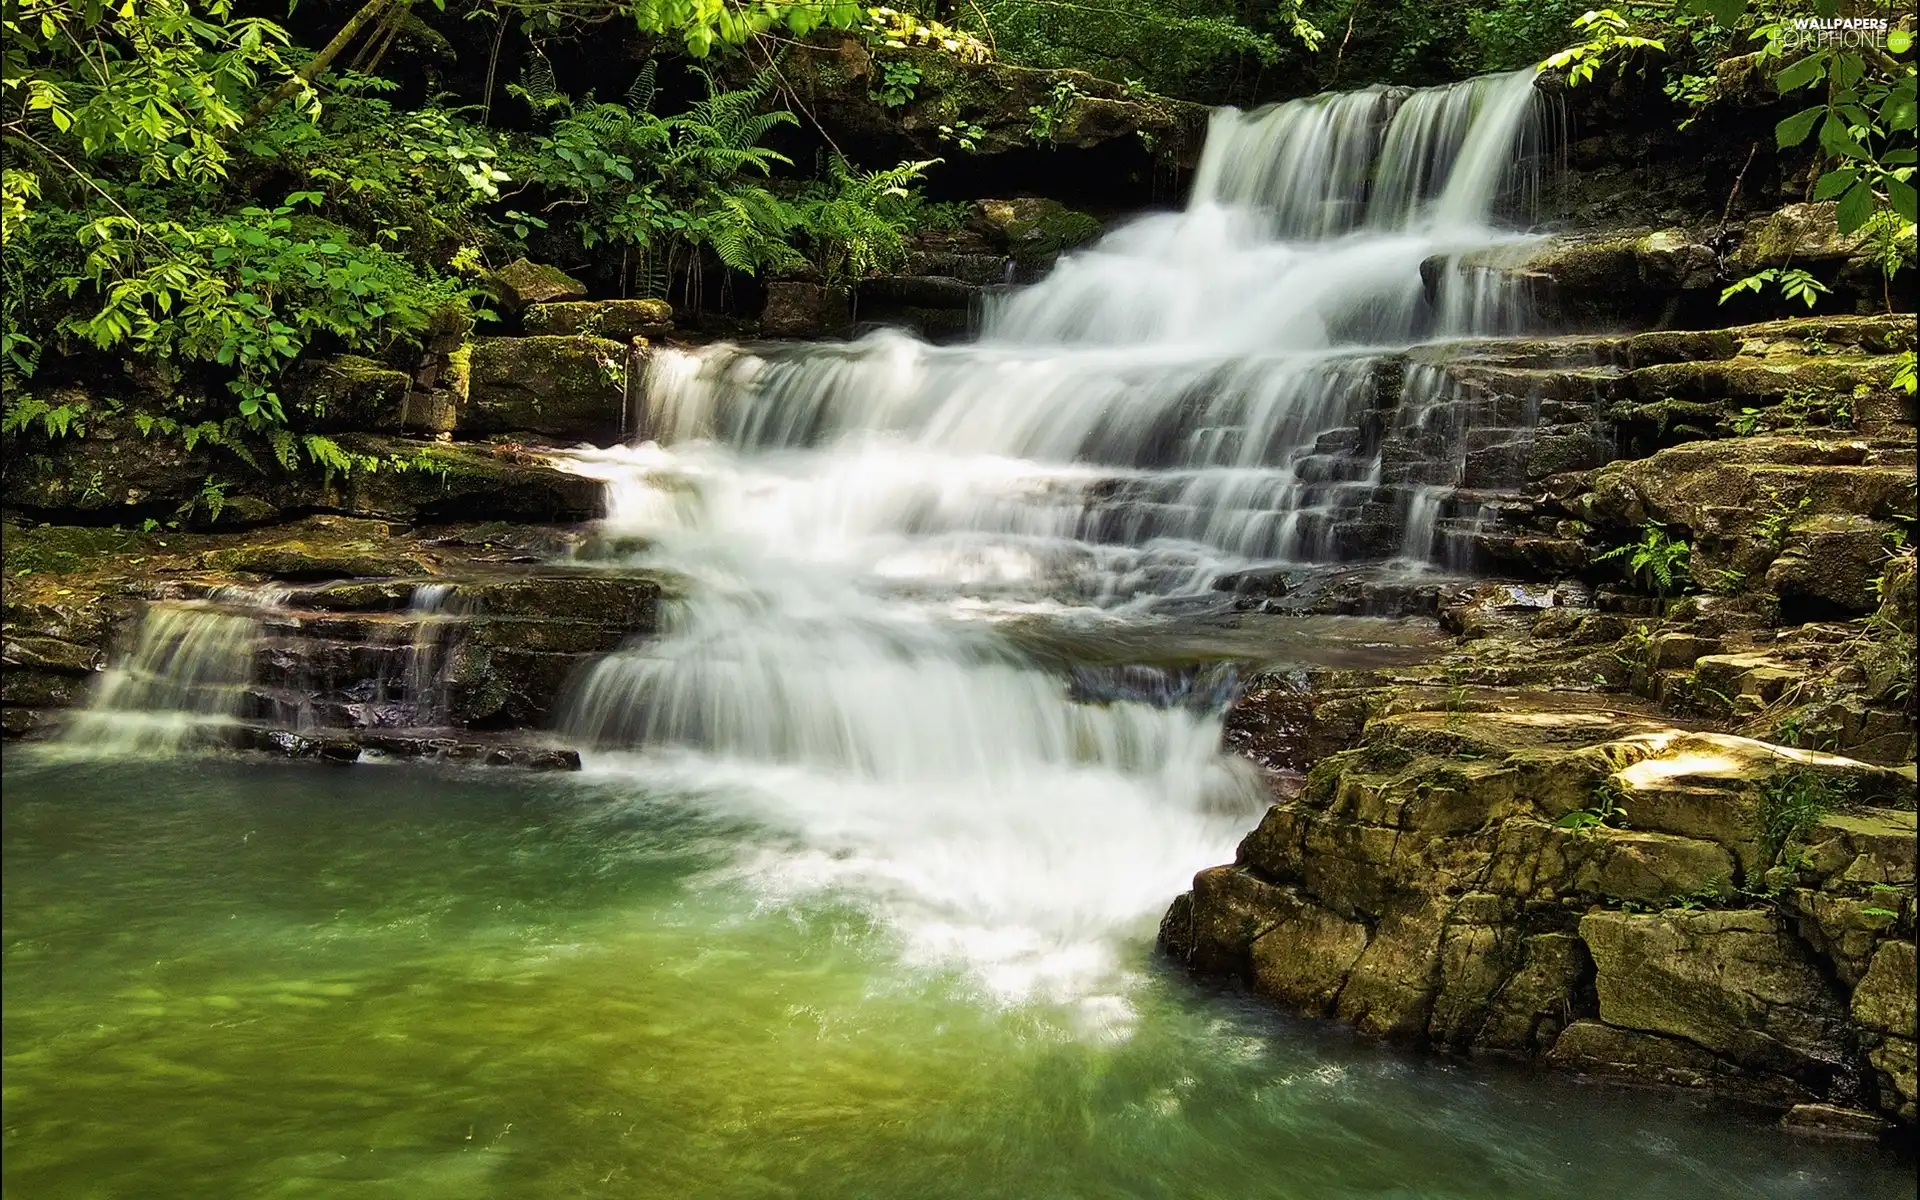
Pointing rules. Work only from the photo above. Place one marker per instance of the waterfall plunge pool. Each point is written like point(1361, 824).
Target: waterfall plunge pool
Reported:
point(237, 980)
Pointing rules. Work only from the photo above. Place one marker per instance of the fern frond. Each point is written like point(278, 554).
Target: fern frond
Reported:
point(640, 93)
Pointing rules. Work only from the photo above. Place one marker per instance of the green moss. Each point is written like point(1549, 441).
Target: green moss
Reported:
point(63, 548)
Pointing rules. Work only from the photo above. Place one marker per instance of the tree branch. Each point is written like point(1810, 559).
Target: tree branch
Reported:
point(320, 62)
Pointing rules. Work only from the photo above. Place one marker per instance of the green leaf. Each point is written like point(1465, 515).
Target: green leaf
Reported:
point(1794, 130)
point(1902, 196)
point(1800, 74)
point(1726, 12)
point(1835, 139)
point(1834, 182)
point(1855, 207)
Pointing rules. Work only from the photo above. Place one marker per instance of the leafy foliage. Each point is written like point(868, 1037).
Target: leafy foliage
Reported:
point(1792, 804)
point(139, 139)
point(1794, 284)
point(857, 221)
point(1610, 39)
point(1656, 559)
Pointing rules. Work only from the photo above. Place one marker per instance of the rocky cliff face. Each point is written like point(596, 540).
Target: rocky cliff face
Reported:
point(1664, 842)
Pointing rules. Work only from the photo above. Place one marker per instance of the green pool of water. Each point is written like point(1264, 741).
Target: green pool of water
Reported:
point(227, 980)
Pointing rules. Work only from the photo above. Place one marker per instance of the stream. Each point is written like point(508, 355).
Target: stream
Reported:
point(856, 893)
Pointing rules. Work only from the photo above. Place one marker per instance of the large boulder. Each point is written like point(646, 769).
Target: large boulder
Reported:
point(1636, 276)
point(1740, 501)
point(1032, 230)
point(1735, 983)
point(434, 482)
point(573, 389)
point(349, 392)
point(1468, 871)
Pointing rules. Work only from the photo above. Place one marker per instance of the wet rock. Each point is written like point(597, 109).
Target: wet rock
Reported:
point(26, 651)
point(1603, 279)
point(619, 320)
point(1035, 230)
point(1594, 1048)
point(320, 548)
point(1269, 582)
point(1833, 1122)
point(936, 307)
point(522, 283)
point(458, 483)
point(797, 309)
point(1734, 983)
point(1306, 956)
point(31, 687)
point(569, 388)
point(1487, 872)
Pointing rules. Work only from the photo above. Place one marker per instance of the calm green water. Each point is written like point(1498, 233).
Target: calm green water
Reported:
point(238, 981)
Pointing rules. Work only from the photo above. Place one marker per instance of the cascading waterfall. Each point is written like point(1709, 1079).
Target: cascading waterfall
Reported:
point(184, 679)
point(1188, 397)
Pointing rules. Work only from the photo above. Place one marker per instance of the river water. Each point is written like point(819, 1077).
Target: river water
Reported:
point(857, 892)
point(250, 981)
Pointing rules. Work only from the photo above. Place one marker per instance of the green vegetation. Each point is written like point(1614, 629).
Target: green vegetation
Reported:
point(1656, 560)
point(1792, 804)
point(1859, 102)
point(1608, 809)
point(193, 202)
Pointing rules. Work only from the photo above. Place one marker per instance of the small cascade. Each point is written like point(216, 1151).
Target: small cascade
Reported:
point(424, 693)
point(185, 679)
point(860, 524)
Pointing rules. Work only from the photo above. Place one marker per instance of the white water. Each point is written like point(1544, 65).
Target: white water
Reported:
point(182, 682)
point(856, 520)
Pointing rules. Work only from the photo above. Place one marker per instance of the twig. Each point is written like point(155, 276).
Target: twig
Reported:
point(493, 64)
point(1342, 51)
point(1737, 180)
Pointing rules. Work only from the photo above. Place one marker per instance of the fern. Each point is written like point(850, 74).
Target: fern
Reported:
point(640, 93)
point(538, 87)
point(1660, 559)
point(331, 458)
point(285, 450)
point(857, 221)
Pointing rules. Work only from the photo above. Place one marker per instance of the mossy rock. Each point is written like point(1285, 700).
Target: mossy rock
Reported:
point(522, 283)
point(621, 320)
point(1032, 230)
point(351, 393)
point(569, 388)
point(457, 483)
point(320, 548)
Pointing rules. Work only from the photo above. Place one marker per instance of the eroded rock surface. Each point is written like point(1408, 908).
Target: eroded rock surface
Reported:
point(1591, 884)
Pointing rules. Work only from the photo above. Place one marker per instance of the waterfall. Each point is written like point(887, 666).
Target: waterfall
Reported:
point(184, 680)
point(864, 526)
